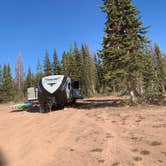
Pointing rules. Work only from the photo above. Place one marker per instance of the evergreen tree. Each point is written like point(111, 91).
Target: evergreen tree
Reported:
point(89, 73)
point(30, 80)
point(79, 65)
point(56, 67)
point(64, 63)
point(159, 66)
point(69, 65)
point(72, 72)
point(47, 65)
point(78, 61)
point(8, 88)
point(123, 43)
point(1, 84)
point(100, 87)
point(39, 74)
point(149, 87)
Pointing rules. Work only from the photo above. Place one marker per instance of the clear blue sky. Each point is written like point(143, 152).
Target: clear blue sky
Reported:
point(33, 26)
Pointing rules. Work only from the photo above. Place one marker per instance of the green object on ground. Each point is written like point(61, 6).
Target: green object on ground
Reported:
point(24, 105)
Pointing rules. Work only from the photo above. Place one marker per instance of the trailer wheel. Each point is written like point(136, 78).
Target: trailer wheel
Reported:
point(73, 102)
point(61, 106)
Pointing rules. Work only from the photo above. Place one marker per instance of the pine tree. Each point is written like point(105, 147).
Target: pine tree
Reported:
point(78, 61)
point(79, 65)
point(159, 66)
point(47, 65)
point(1, 84)
point(39, 74)
point(64, 63)
point(123, 43)
point(56, 67)
point(100, 74)
point(89, 73)
point(149, 87)
point(69, 65)
point(30, 80)
point(8, 88)
point(72, 72)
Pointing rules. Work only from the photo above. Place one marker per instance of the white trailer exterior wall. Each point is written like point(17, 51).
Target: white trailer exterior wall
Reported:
point(32, 93)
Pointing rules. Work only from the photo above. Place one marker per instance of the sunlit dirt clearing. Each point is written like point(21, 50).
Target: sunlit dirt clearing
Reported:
point(97, 131)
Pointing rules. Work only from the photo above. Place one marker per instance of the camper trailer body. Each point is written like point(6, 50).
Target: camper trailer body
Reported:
point(57, 91)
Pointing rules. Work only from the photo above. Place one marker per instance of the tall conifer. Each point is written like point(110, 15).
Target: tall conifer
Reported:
point(39, 74)
point(1, 84)
point(56, 67)
point(159, 61)
point(123, 43)
point(47, 65)
point(8, 88)
point(30, 81)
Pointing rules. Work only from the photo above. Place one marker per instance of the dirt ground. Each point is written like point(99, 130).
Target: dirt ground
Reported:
point(96, 132)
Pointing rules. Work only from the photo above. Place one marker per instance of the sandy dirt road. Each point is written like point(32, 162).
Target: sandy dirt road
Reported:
point(98, 132)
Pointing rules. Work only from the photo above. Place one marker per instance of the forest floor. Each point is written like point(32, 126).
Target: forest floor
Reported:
point(96, 132)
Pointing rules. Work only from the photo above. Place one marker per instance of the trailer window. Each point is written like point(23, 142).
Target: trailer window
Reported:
point(76, 84)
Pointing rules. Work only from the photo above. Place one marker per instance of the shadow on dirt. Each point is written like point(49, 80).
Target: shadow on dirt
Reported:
point(16, 111)
point(92, 104)
point(3, 161)
point(160, 103)
point(31, 110)
point(84, 104)
point(34, 110)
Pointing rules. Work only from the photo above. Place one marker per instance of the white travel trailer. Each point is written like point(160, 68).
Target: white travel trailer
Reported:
point(56, 91)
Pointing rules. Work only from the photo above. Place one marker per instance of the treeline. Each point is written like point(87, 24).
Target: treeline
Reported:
point(77, 63)
point(130, 65)
point(126, 65)
point(148, 84)
point(80, 64)
point(6, 84)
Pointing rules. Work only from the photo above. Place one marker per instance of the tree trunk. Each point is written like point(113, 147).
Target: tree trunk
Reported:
point(114, 89)
point(163, 88)
point(133, 97)
point(133, 92)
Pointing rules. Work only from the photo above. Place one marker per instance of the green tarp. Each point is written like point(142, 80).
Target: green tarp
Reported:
point(23, 105)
